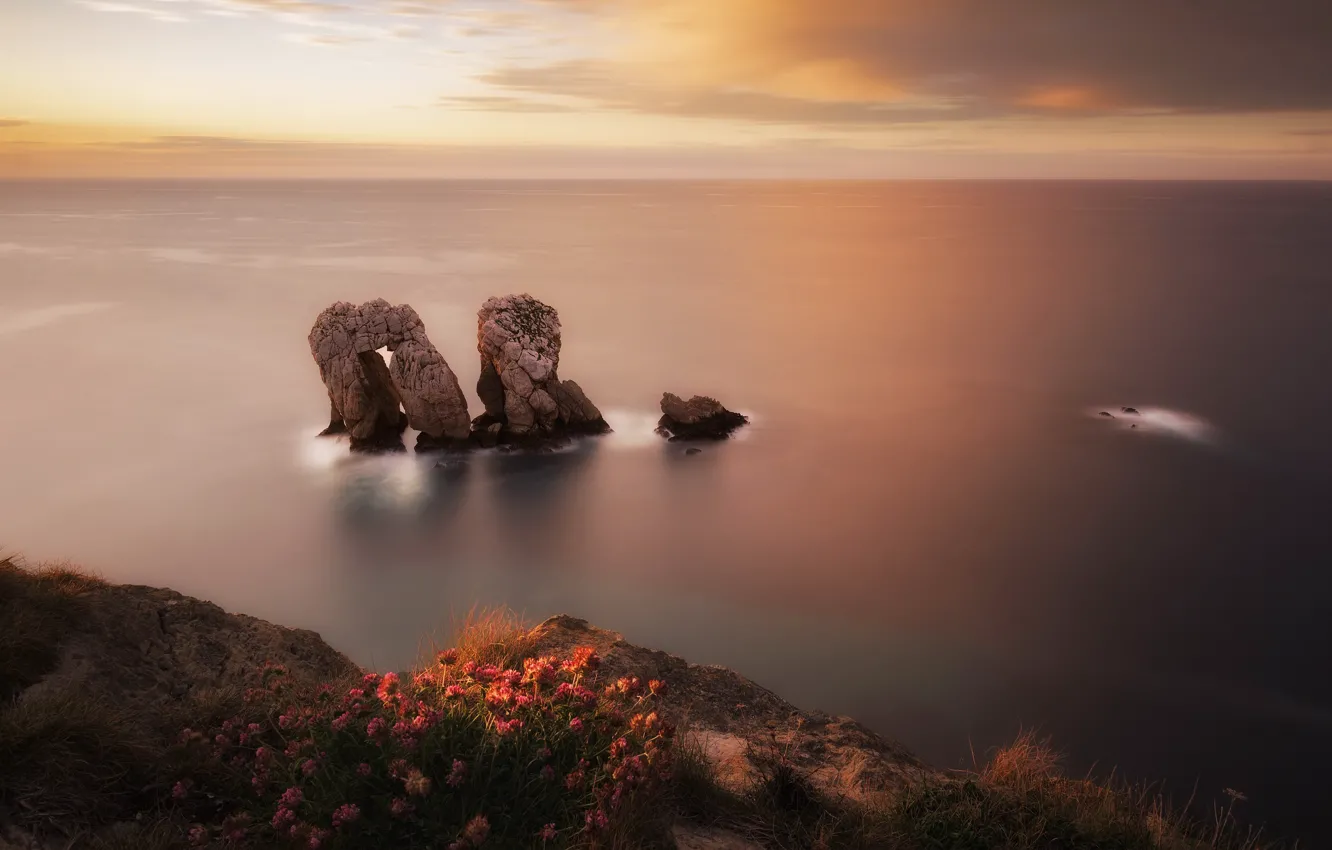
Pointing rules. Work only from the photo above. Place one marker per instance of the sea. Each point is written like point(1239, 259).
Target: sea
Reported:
point(930, 525)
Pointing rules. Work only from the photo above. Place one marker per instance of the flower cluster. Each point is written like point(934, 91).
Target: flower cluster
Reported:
point(459, 755)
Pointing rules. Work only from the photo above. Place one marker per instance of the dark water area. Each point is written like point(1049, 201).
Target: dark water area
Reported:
point(927, 527)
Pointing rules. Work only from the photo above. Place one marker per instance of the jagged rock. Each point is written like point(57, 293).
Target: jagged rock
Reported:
point(1132, 411)
point(518, 338)
point(374, 402)
point(700, 418)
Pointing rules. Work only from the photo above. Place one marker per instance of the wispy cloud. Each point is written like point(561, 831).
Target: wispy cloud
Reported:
point(324, 39)
point(153, 12)
point(503, 103)
point(12, 122)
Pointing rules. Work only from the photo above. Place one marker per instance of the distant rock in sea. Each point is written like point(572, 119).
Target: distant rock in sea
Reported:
point(518, 338)
point(700, 418)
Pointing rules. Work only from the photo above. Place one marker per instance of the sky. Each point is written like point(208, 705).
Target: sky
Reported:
point(1151, 89)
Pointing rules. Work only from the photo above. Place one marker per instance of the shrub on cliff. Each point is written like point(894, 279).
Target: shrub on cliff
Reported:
point(458, 755)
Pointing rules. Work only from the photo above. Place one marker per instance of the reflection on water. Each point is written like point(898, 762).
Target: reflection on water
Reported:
point(922, 528)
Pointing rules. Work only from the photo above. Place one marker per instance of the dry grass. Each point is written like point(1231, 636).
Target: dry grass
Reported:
point(70, 763)
point(37, 607)
point(490, 636)
point(1018, 800)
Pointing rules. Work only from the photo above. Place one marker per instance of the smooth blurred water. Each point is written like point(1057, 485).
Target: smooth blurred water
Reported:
point(928, 526)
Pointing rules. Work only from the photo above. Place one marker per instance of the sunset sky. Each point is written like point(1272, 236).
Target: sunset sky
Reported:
point(570, 88)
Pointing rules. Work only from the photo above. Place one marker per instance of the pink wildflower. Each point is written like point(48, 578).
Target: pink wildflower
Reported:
point(375, 727)
point(263, 755)
point(345, 814)
point(370, 680)
point(582, 659)
point(576, 724)
point(597, 821)
point(657, 687)
point(283, 819)
point(548, 832)
point(317, 838)
point(292, 797)
point(286, 721)
point(457, 774)
point(420, 723)
point(355, 694)
point(477, 831)
point(363, 769)
point(539, 671)
point(448, 657)
point(180, 790)
point(619, 748)
point(469, 668)
point(454, 691)
point(400, 807)
point(424, 679)
point(340, 722)
point(198, 835)
point(508, 727)
point(309, 766)
point(417, 783)
point(388, 687)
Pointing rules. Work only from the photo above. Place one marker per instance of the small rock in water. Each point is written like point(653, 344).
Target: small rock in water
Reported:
point(1134, 425)
point(693, 450)
point(1107, 413)
point(700, 418)
point(1130, 410)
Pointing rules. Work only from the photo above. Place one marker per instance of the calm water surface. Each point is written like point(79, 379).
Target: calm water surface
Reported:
point(927, 527)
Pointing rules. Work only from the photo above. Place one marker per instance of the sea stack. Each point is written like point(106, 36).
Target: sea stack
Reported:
point(518, 339)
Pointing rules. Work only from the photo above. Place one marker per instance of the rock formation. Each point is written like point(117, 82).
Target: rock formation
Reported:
point(375, 402)
point(700, 418)
point(518, 339)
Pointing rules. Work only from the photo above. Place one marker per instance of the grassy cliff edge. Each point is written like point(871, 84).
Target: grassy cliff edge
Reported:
point(135, 717)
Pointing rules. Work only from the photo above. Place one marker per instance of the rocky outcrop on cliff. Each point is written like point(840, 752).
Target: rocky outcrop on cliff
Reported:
point(374, 402)
point(699, 418)
point(518, 339)
point(143, 647)
point(735, 719)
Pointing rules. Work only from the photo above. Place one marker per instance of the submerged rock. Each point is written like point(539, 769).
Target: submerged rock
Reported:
point(700, 418)
point(518, 339)
point(375, 402)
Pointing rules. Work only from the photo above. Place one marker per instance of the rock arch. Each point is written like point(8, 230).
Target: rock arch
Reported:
point(375, 402)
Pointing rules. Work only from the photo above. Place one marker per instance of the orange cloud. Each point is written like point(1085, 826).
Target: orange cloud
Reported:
point(1065, 98)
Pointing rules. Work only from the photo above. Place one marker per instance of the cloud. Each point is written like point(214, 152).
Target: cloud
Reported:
point(603, 85)
point(1084, 57)
point(503, 103)
point(157, 14)
point(12, 122)
point(324, 39)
